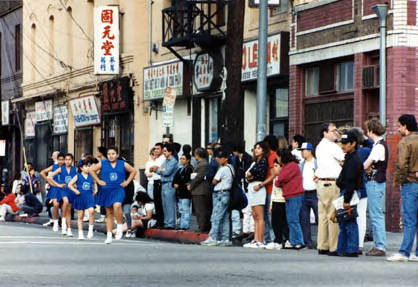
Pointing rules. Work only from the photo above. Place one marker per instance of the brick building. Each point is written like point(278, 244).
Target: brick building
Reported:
point(334, 64)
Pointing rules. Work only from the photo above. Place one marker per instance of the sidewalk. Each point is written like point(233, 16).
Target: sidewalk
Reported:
point(187, 237)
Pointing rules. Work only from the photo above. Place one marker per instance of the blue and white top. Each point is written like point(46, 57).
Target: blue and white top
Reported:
point(113, 176)
point(84, 184)
point(65, 176)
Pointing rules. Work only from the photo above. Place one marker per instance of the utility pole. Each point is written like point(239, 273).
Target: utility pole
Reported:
point(262, 72)
point(232, 108)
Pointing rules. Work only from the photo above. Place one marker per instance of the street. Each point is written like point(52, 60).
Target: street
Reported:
point(34, 256)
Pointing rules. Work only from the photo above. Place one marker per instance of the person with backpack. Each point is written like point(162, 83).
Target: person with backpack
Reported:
point(310, 200)
point(256, 175)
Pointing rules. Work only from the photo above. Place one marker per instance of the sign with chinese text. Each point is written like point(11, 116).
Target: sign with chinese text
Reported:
point(203, 71)
point(5, 113)
point(30, 122)
point(85, 111)
point(270, 2)
point(158, 78)
point(250, 58)
point(43, 110)
point(106, 40)
point(168, 107)
point(116, 95)
point(60, 119)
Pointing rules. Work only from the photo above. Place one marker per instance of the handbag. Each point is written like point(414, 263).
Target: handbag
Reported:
point(239, 199)
point(344, 215)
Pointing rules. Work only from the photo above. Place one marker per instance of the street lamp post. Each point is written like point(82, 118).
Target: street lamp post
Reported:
point(261, 117)
point(381, 11)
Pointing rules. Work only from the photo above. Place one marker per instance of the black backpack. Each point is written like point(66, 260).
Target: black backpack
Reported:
point(239, 199)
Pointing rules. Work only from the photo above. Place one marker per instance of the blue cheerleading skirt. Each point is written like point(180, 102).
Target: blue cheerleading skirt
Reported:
point(68, 193)
point(107, 195)
point(84, 200)
point(52, 193)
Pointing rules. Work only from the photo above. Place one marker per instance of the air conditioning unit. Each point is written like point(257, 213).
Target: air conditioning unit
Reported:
point(371, 77)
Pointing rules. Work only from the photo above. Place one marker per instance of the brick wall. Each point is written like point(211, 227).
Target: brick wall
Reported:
point(402, 81)
point(296, 93)
point(325, 15)
point(359, 101)
point(411, 12)
point(368, 4)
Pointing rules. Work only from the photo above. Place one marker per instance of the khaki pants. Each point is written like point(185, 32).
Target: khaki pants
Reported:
point(327, 191)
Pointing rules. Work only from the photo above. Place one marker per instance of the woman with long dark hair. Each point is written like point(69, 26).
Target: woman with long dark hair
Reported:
point(290, 180)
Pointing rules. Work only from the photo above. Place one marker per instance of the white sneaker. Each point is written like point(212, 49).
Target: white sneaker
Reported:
point(273, 246)
point(225, 243)
point(413, 258)
point(64, 231)
point(397, 257)
point(90, 235)
point(23, 215)
point(256, 245)
point(288, 245)
point(55, 227)
point(209, 242)
point(69, 233)
point(247, 245)
point(102, 219)
point(2, 219)
point(108, 239)
point(50, 222)
point(118, 235)
point(81, 236)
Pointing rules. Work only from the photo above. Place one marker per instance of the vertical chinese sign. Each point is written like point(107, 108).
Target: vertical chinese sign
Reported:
point(106, 40)
point(168, 107)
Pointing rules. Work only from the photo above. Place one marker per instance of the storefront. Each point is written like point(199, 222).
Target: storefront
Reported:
point(85, 115)
point(59, 135)
point(117, 116)
point(42, 148)
point(277, 86)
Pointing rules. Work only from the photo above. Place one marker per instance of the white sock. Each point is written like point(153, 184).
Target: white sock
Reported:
point(69, 229)
point(80, 233)
point(119, 228)
point(64, 223)
point(109, 235)
point(55, 221)
point(91, 228)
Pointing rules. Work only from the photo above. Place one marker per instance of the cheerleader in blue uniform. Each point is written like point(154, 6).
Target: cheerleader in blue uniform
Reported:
point(84, 188)
point(54, 192)
point(112, 183)
point(66, 173)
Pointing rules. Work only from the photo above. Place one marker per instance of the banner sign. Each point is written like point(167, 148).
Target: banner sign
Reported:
point(203, 71)
point(60, 119)
point(43, 110)
point(85, 112)
point(5, 113)
point(106, 40)
point(168, 107)
point(270, 2)
point(30, 122)
point(158, 78)
point(250, 58)
point(116, 95)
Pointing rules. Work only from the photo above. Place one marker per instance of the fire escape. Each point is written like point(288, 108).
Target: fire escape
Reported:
point(191, 23)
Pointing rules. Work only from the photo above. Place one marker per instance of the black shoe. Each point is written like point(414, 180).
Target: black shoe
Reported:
point(169, 228)
point(333, 253)
point(322, 252)
point(350, 255)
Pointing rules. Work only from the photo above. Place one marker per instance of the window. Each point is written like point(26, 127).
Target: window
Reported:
point(279, 112)
point(311, 81)
point(17, 48)
point(276, 10)
point(345, 76)
point(213, 120)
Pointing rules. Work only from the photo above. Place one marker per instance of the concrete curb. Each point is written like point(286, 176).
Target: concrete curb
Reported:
point(186, 237)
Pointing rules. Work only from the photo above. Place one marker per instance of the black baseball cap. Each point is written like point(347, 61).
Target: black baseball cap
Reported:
point(348, 137)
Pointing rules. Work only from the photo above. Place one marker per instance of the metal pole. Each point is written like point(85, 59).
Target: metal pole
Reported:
point(261, 118)
point(381, 11)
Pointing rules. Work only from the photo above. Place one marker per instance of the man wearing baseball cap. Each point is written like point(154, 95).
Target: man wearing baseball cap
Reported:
point(310, 200)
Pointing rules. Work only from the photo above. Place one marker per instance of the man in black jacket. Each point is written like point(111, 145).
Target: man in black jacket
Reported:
point(349, 181)
point(31, 206)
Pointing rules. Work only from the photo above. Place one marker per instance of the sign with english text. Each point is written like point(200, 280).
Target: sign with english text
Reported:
point(250, 58)
point(106, 40)
point(85, 112)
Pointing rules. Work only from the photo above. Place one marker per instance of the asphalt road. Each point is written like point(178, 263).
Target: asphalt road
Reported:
point(31, 255)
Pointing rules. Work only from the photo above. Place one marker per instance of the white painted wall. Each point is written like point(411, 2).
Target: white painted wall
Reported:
point(249, 119)
point(182, 130)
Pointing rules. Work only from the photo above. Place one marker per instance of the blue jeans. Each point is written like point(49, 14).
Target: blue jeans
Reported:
point(184, 209)
point(267, 222)
point(236, 222)
point(220, 216)
point(293, 206)
point(169, 205)
point(309, 201)
point(409, 194)
point(348, 237)
point(150, 190)
point(375, 193)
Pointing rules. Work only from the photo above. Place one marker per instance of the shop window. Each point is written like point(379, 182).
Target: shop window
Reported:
point(83, 142)
point(212, 120)
point(279, 112)
point(311, 81)
point(277, 10)
point(326, 78)
point(345, 76)
point(43, 132)
point(59, 143)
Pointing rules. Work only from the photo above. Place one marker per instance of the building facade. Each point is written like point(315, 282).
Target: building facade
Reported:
point(334, 68)
point(11, 79)
point(67, 106)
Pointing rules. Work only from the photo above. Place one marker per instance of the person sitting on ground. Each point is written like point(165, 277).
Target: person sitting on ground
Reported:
point(142, 214)
point(30, 206)
point(7, 205)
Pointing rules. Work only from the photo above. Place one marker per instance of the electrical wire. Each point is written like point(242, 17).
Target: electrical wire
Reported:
point(75, 21)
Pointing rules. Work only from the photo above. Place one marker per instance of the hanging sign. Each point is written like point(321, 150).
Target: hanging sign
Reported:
point(207, 71)
point(2, 147)
point(60, 119)
point(43, 110)
point(106, 40)
point(5, 113)
point(250, 58)
point(116, 95)
point(30, 122)
point(85, 112)
point(168, 107)
point(158, 78)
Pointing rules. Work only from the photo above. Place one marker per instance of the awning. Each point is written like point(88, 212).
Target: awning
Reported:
point(33, 97)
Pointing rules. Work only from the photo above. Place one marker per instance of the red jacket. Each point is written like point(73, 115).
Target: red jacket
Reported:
point(290, 180)
point(10, 200)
